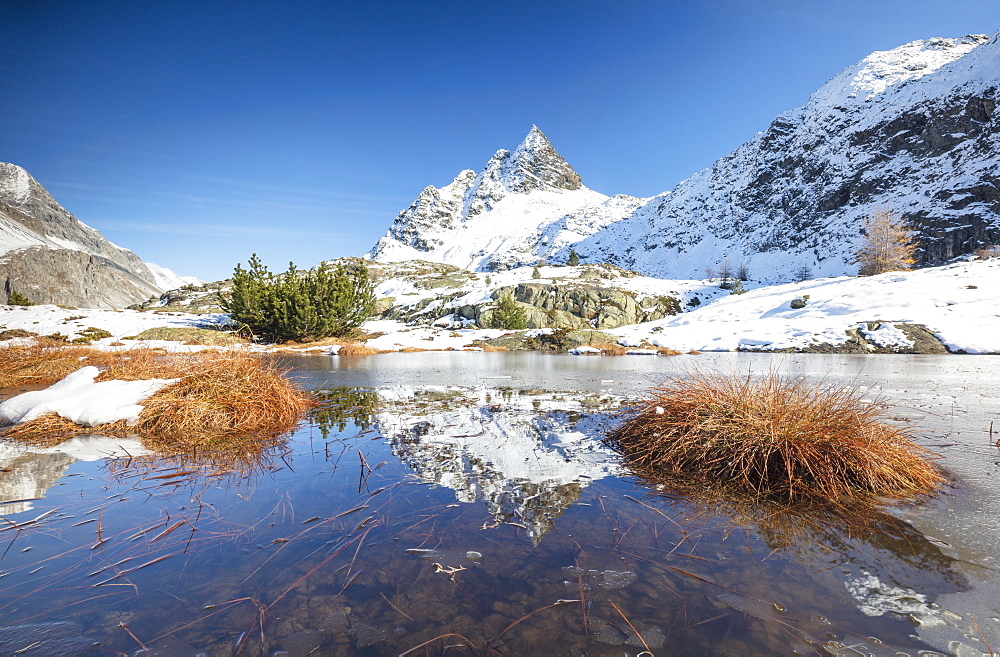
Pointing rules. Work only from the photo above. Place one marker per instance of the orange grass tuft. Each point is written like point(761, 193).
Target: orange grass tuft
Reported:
point(774, 436)
point(223, 399)
point(357, 350)
point(40, 364)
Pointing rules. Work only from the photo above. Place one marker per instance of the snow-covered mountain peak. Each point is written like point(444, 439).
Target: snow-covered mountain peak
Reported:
point(15, 183)
point(888, 69)
point(536, 164)
point(538, 194)
point(533, 165)
point(913, 129)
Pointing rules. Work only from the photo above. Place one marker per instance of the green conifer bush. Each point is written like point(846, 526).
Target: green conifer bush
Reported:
point(18, 299)
point(508, 315)
point(300, 305)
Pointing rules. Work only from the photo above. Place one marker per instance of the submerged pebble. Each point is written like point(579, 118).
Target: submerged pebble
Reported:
point(604, 632)
point(368, 635)
point(652, 637)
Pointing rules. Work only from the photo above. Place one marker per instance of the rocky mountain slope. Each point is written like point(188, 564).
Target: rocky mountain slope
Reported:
point(914, 129)
point(524, 205)
point(50, 256)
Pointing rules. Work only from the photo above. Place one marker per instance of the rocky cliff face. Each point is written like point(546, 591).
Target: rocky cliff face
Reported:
point(914, 129)
point(50, 256)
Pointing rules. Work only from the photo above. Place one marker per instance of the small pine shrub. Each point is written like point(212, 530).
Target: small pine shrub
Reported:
point(535, 273)
point(737, 288)
point(18, 299)
point(508, 314)
point(573, 259)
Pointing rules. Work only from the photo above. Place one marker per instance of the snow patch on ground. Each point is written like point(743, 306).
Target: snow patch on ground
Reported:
point(80, 399)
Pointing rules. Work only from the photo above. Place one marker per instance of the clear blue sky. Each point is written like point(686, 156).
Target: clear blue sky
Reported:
point(196, 133)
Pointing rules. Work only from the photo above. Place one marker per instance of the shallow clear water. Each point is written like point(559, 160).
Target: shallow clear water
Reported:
point(466, 496)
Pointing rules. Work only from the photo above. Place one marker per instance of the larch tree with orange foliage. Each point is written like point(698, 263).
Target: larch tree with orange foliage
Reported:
point(890, 244)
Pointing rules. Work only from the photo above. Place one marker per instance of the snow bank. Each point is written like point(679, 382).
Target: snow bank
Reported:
point(80, 399)
point(957, 302)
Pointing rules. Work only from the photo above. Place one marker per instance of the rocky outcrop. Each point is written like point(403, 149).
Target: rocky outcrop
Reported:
point(575, 306)
point(875, 337)
point(579, 306)
point(71, 278)
point(50, 256)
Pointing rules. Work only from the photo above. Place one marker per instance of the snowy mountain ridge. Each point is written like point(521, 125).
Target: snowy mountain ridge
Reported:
point(505, 215)
point(913, 129)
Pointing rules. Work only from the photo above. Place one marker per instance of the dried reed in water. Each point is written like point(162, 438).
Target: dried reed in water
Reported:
point(774, 436)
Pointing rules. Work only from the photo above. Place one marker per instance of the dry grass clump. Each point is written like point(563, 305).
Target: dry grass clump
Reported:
point(774, 436)
point(223, 400)
point(357, 350)
point(41, 364)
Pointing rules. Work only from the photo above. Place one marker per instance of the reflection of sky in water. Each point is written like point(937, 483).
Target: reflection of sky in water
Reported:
point(461, 503)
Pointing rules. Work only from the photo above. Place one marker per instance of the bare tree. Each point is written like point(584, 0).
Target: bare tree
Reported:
point(743, 272)
point(889, 244)
point(803, 273)
point(725, 274)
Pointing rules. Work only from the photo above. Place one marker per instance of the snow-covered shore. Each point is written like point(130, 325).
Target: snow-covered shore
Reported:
point(959, 303)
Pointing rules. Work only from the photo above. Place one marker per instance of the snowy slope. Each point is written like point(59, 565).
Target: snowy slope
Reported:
point(521, 207)
point(913, 129)
point(957, 302)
